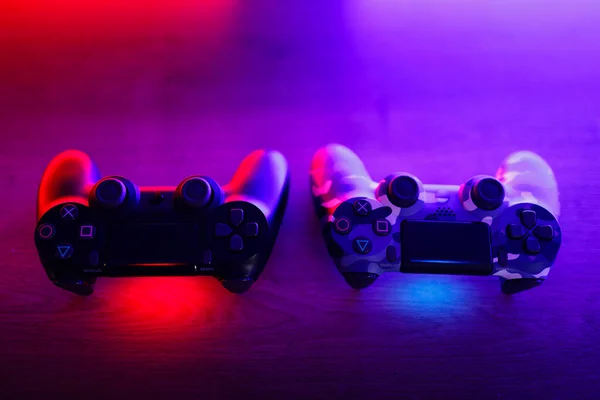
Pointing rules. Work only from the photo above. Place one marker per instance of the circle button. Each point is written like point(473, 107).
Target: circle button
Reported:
point(342, 225)
point(46, 231)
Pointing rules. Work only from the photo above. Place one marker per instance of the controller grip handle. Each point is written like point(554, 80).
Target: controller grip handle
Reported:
point(338, 174)
point(527, 177)
point(68, 177)
point(262, 179)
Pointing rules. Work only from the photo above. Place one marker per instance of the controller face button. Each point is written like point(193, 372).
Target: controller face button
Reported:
point(222, 230)
point(110, 193)
point(236, 216)
point(196, 192)
point(362, 245)
point(391, 254)
point(516, 231)
point(236, 243)
point(342, 225)
point(403, 191)
point(544, 232)
point(532, 245)
point(69, 212)
point(362, 207)
point(381, 227)
point(488, 194)
point(64, 251)
point(87, 232)
point(251, 229)
point(46, 231)
point(528, 218)
point(502, 257)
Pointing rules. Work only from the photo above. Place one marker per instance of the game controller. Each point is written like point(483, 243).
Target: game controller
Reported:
point(90, 227)
point(505, 226)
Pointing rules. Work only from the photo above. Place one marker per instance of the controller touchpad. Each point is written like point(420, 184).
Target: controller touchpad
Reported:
point(453, 248)
point(152, 243)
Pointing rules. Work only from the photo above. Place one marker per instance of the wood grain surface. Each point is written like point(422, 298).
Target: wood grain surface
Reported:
point(444, 90)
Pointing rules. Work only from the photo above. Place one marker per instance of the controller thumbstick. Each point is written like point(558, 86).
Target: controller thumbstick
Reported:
point(403, 191)
point(110, 193)
point(195, 192)
point(488, 194)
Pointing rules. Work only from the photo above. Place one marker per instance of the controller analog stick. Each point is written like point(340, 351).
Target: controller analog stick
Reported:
point(110, 193)
point(195, 192)
point(488, 194)
point(403, 191)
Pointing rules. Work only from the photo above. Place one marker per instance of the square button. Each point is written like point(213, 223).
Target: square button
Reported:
point(381, 227)
point(87, 232)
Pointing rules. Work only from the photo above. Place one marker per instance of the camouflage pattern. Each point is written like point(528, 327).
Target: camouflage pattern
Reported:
point(339, 178)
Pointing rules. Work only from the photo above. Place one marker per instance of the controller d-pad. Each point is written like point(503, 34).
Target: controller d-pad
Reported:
point(236, 217)
point(544, 232)
point(236, 243)
point(238, 229)
point(342, 225)
point(251, 229)
point(516, 231)
point(532, 245)
point(528, 218)
point(222, 230)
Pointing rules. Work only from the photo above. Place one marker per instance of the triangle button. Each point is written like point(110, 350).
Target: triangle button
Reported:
point(362, 245)
point(64, 251)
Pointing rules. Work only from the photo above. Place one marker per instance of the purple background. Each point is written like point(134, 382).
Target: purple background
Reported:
point(443, 89)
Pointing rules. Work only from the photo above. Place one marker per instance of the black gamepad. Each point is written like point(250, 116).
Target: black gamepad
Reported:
point(90, 227)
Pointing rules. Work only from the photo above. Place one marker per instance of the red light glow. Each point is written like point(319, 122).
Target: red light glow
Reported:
point(163, 308)
point(109, 17)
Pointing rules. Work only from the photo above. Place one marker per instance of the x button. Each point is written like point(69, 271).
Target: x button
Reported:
point(69, 212)
point(362, 207)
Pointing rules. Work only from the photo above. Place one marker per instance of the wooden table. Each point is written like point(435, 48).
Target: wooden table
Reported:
point(444, 90)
